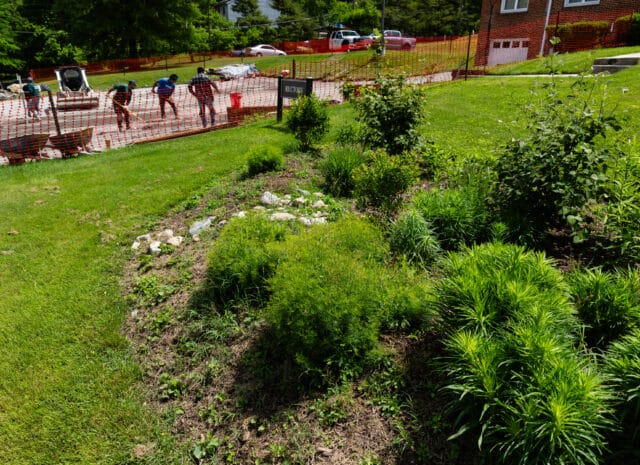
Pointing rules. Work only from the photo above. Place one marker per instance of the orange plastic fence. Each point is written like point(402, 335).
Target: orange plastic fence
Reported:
point(66, 127)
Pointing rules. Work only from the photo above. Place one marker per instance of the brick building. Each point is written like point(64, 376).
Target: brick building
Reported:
point(518, 30)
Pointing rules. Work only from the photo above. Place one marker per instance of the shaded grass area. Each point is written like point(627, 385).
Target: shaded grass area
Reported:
point(69, 390)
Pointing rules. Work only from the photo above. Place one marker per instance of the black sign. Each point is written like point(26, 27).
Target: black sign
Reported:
point(293, 88)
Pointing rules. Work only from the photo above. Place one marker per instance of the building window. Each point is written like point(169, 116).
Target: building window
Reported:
point(580, 2)
point(515, 6)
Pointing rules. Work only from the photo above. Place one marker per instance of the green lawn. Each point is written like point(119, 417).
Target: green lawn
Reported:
point(565, 63)
point(69, 390)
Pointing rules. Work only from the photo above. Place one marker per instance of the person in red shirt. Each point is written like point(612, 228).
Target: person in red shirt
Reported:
point(202, 88)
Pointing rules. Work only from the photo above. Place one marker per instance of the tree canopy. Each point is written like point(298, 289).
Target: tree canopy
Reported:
point(39, 33)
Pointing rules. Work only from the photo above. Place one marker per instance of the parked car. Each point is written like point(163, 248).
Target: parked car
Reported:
point(263, 50)
point(394, 40)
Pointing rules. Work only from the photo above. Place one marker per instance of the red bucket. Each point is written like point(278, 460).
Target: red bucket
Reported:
point(236, 99)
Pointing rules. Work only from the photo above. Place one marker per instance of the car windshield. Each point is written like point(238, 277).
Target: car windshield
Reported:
point(350, 34)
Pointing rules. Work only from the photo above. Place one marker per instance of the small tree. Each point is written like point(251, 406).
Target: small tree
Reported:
point(391, 112)
point(308, 120)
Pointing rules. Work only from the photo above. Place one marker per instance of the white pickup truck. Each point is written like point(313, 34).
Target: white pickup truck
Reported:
point(394, 40)
point(346, 40)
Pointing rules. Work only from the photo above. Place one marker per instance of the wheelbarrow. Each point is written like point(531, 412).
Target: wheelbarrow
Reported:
point(18, 149)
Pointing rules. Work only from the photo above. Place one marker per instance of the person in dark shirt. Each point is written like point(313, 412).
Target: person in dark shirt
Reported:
point(166, 87)
point(202, 88)
point(121, 100)
point(32, 94)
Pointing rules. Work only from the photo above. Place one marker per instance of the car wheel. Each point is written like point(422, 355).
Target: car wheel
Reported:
point(259, 54)
point(406, 47)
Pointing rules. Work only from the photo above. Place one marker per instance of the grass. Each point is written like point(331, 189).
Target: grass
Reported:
point(70, 391)
point(567, 63)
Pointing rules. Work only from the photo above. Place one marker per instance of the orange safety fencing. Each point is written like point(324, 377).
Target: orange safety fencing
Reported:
point(67, 126)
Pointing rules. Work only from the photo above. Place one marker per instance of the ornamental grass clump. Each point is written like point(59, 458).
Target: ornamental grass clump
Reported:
point(525, 393)
point(413, 237)
point(458, 217)
point(241, 260)
point(608, 304)
point(337, 168)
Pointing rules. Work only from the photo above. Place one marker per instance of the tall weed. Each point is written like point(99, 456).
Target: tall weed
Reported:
point(337, 168)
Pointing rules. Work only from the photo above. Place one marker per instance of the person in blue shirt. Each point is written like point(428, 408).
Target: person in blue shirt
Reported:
point(122, 98)
point(165, 89)
point(202, 88)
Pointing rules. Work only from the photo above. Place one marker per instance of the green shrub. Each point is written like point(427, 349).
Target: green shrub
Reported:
point(524, 391)
point(263, 159)
point(381, 182)
point(241, 260)
point(337, 168)
point(544, 178)
point(308, 119)
point(457, 216)
point(607, 303)
point(622, 364)
point(391, 113)
point(325, 306)
point(412, 236)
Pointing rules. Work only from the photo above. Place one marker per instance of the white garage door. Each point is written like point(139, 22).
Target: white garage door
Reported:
point(508, 51)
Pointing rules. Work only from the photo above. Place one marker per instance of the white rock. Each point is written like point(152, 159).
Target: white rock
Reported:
point(300, 201)
point(175, 241)
point(259, 208)
point(318, 194)
point(135, 245)
point(282, 216)
point(199, 226)
point(165, 235)
point(270, 199)
point(319, 204)
point(154, 247)
point(144, 238)
point(240, 214)
point(302, 191)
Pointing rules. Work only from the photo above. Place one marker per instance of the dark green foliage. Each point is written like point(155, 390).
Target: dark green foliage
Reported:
point(391, 113)
point(622, 363)
point(412, 236)
point(241, 260)
point(457, 216)
point(263, 159)
point(544, 178)
point(381, 182)
point(308, 119)
point(525, 394)
point(326, 299)
point(607, 303)
point(337, 168)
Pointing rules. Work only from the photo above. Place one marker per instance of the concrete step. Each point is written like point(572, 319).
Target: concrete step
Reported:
point(611, 69)
point(617, 61)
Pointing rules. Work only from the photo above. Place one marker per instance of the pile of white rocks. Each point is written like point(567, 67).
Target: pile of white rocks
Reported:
point(278, 209)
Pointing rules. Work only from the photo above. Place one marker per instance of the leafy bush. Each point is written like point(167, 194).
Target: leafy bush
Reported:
point(308, 119)
point(325, 306)
point(241, 260)
point(544, 178)
point(412, 236)
point(607, 303)
point(337, 168)
point(524, 391)
point(457, 216)
point(391, 112)
point(264, 158)
point(622, 363)
point(381, 182)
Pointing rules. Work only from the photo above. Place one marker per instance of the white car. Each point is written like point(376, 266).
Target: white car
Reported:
point(263, 50)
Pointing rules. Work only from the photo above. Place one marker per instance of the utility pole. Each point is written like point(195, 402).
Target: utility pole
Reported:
point(382, 45)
